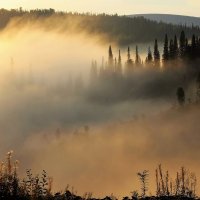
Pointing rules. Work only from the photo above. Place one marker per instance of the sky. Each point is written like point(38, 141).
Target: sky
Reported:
point(182, 7)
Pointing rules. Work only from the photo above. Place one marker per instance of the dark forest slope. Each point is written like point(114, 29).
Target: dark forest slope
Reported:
point(119, 29)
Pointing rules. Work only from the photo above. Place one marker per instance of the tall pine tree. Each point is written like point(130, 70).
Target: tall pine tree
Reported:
point(129, 63)
point(166, 50)
point(182, 44)
point(171, 50)
point(137, 57)
point(149, 58)
point(119, 64)
point(110, 57)
point(175, 47)
point(156, 54)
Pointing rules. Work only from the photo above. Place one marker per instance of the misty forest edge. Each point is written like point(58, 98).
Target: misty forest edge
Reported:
point(176, 57)
point(182, 58)
point(184, 185)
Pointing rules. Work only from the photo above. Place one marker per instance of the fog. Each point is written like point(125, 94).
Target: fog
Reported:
point(93, 146)
point(104, 159)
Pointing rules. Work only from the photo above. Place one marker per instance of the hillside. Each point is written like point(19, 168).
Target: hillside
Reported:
point(122, 30)
point(171, 19)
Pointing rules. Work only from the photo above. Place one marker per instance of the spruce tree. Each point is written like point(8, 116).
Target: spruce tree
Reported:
point(110, 57)
point(149, 58)
point(137, 57)
point(182, 46)
point(175, 47)
point(156, 54)
point(119, 64)
point(129, 63)
point(193, 42)
point(119, 58)
point(129, 54)
point(171, 50)
point(166, 50)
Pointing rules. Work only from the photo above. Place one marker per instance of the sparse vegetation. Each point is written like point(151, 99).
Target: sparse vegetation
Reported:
point(143, 178)
point(12, 187)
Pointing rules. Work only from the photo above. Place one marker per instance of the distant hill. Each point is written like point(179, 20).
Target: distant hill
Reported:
point(171, 19)
point(121, 30)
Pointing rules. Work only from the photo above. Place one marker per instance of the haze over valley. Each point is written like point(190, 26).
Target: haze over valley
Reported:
point(95, 98)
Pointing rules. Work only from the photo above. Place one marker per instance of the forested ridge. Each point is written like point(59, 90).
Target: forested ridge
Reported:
point(122, 30)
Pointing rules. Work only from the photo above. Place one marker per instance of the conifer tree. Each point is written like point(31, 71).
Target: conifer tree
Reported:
point(193, 42)
point(137, 57)
point(182, 45)
point(110, 57)
point(149, 58)
point(156, 54)
point(129, 54)
point(129, 63)
point(175, 47)
point(119, 58)
point(171, 50)
point(166, 50)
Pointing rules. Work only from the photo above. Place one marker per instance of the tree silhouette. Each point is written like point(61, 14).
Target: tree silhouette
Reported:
point(166, 50)
point(172, 50)
point(175, 47)
point(128, 54)
point(110, 57)
point(129, 63)
point(149, 58)
point(137, 57)
point(182, 44)
point(143, 179)
point(156, 54)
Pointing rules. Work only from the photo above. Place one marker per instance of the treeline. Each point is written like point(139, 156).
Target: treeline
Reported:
point(120, 29)
point(174, 51)
point(163, 72)
point(35, 187)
